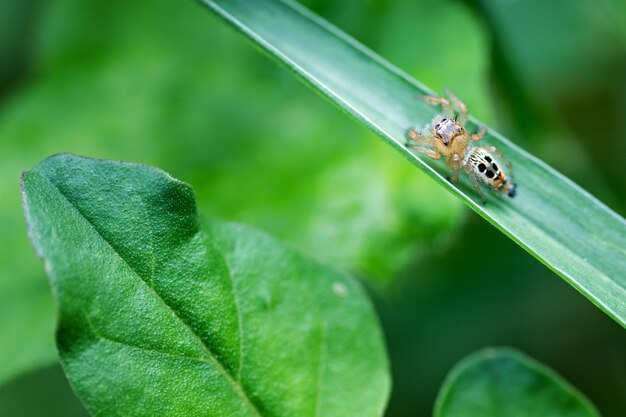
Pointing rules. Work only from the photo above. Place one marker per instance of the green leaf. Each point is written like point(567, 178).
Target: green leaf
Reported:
point(164, 313)
point(562, 225)
point(504, 382)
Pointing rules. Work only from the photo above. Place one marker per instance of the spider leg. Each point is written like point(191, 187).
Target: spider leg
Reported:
point(475, 184)
point(462, 118)
point(454, 163)
point(454, 177)
point(429, 152)
point(446, 107)
point(421, 144)
point(478, 136)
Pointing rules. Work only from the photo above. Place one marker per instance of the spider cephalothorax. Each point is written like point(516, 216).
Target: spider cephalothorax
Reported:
point(447, 130)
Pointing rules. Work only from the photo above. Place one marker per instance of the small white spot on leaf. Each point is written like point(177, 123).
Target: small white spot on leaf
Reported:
point(340, 289)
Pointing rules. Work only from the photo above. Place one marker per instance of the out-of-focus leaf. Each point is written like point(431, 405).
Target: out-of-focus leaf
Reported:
point(503, 382)
point(161, 313)
point(443, 59)
point(559, 223)
point(44, 392)
point(16, 25)
point(567, 44)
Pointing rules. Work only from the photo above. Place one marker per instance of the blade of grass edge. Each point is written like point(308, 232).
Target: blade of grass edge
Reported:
point(555, 220)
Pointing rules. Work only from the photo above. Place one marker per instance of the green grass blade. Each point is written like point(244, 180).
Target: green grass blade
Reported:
point(555, 220)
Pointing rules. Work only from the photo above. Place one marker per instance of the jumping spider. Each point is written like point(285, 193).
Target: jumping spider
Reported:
point(449, 138)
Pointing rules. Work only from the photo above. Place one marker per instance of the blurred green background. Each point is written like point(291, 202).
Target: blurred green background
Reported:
point(168, 84)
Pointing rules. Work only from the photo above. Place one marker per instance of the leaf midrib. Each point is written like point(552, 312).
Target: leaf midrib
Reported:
point(220, 367)
point(99, 335)
point(231, 277)
point(322, 324)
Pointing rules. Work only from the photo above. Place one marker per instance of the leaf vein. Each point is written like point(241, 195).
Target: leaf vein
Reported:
point(101, 336)
point(219, 366)
point(231, 277)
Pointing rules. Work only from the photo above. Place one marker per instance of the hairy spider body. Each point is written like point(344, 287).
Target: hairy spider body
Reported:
point(487, 170)
point(448, 137)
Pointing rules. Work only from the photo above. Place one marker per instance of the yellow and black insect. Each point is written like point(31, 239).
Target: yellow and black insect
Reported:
point(446, 136)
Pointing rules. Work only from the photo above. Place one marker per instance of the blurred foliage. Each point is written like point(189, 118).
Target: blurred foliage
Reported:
point(45, 392)
point(166, 84)
point(216, 117)
point(477, 385)
point(484, 291)
point(16, 19)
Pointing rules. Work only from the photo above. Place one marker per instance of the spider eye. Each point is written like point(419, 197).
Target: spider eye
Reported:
point(444, 120)
point(437, 126)
point(458, 128)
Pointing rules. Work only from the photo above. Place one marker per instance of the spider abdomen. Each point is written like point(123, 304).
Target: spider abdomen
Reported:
point(485, 168)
